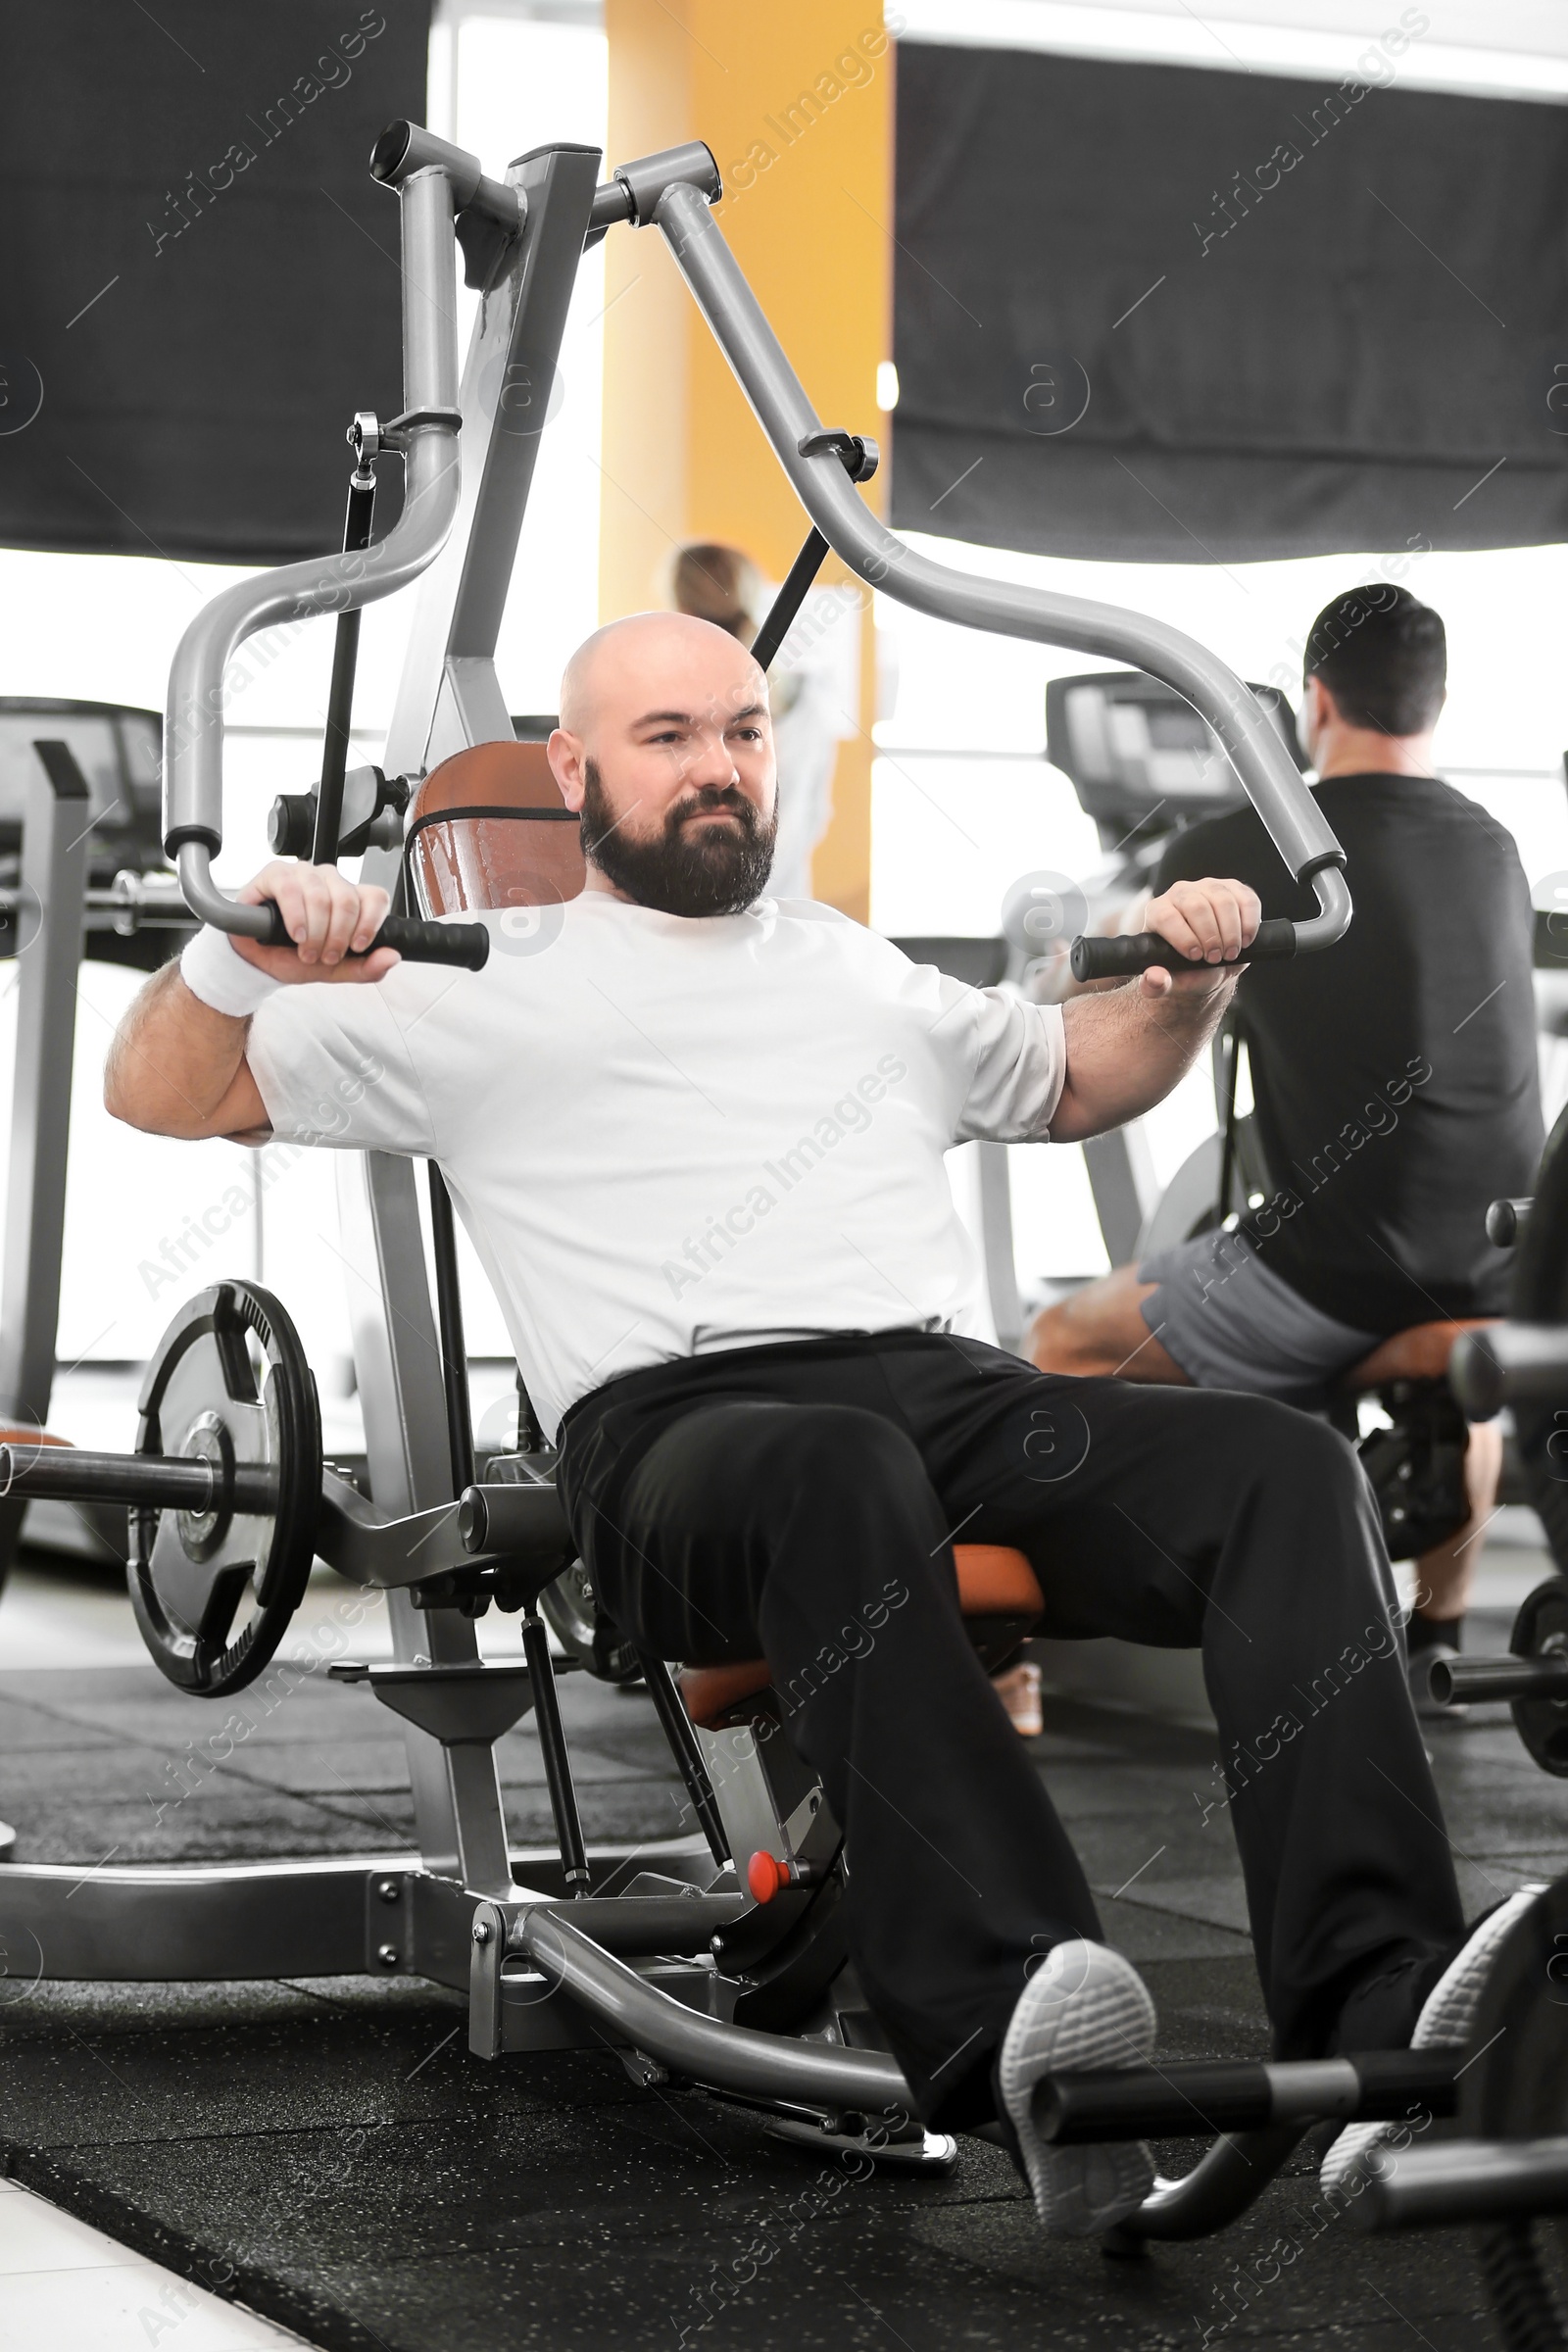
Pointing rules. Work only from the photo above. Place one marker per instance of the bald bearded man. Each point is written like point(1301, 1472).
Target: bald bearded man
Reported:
point(697, 1139)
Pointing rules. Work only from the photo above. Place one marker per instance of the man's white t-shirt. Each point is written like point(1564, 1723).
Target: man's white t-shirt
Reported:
point(667, 1135)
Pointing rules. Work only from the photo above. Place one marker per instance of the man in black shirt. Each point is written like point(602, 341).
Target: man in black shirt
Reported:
point(1393, 1076)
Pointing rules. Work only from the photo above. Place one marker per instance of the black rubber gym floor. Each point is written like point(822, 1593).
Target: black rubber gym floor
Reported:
point(329, 2153)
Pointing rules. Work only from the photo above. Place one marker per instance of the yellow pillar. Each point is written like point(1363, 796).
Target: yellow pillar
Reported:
point(797, 103)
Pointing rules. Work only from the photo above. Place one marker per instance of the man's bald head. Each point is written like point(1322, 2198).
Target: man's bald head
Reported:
point(666, 751)
point(652, 662)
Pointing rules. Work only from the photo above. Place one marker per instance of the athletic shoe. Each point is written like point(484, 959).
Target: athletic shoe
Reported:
point(1085, 2006)
point(1447, 2020)
point(1020, 1692)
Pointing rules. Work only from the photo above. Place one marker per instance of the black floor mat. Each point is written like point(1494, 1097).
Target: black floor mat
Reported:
point(329, 2153)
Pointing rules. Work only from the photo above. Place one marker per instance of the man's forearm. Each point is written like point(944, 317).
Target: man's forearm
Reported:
point(177, 1062)
point(176, 1066)
point(1126, 1050)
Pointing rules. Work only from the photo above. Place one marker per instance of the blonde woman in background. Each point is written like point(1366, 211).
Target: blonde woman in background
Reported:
point(722, 584)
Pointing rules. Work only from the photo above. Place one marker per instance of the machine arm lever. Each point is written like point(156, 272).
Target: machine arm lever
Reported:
point(193, 727)
point(1294, 821)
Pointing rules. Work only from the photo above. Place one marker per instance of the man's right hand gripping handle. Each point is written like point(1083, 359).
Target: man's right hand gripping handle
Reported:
point(326, 927)
point(323, 918)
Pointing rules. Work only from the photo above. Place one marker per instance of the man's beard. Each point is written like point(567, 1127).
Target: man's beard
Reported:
point(684, 870)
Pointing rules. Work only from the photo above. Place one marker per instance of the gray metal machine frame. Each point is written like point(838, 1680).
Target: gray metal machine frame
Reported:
point(539, 1971)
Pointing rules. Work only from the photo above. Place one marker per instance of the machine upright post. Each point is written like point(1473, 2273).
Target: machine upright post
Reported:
point(397, 1359)
point(56, 825)
point(996, 1227)
point(448, 698)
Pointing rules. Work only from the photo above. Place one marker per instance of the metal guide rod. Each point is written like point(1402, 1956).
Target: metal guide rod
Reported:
point(670, 1709)
point(153, 1481)
point(133, 903)
point(1462, 1681)
point(557, 1760)
point(1296, 825)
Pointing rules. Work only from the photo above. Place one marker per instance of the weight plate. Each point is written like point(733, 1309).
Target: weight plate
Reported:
point(1541, 1631)
point(1516, 2088)
point(214, 1590)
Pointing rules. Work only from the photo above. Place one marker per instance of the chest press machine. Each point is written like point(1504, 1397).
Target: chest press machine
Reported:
point(718, 1958)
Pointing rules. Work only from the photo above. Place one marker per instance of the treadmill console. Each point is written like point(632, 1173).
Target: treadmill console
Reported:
point(1140, 759)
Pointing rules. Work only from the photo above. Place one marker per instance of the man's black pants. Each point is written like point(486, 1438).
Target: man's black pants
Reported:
point(804, 1498)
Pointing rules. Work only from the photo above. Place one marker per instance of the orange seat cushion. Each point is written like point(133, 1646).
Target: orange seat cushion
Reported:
point(994, 1581)
point(1420, 1353)
point(467, 852)
point(709, 1692)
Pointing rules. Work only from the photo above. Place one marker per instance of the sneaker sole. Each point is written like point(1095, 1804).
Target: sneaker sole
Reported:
point(1084, 2007)
point(1447, 2017)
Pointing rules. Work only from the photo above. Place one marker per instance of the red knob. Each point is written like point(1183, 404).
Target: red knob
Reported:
point(766, 1873)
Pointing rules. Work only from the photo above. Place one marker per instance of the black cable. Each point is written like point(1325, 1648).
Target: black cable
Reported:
point(340, 696)
point(789, 600)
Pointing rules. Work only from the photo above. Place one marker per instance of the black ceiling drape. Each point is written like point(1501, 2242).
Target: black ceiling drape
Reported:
point(199, 279)
point(1166, 315)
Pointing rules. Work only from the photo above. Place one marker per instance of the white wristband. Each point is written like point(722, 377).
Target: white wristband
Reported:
point(222, 980)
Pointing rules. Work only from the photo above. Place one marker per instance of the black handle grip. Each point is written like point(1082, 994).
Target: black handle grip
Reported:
point(465, 945)
point(1234, 2094)
point(1116, 959)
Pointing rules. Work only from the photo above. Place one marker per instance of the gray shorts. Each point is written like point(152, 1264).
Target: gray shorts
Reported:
point(1231, 1323)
